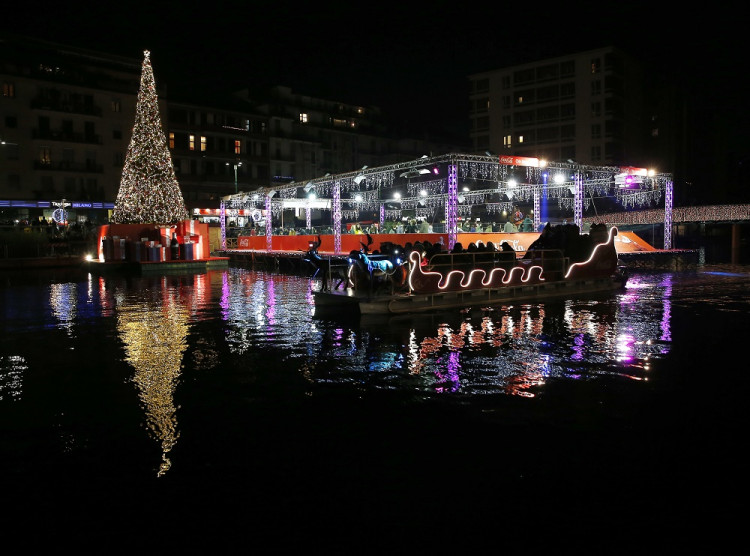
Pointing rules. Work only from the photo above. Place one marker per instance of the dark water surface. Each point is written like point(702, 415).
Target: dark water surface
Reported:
point(216, 413)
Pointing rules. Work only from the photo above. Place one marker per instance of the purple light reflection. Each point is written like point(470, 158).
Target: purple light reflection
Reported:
point(449, 381)
point(338, 336)
point(270, 303)
point(579, 344)
point(225, 296)
point(666, 330)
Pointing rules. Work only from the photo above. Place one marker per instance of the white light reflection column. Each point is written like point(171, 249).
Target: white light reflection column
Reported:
point(337, 217)
point(668, 192)
point(450, 205)
point(269, 224)
point(308, 219)
point(537, 207)
point(223, 221)
point(381, 229)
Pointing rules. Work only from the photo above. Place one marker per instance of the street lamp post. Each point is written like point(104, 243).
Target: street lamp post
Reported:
point(236, 165)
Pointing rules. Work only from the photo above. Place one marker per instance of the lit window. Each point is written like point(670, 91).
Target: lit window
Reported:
point(116, 106)
point(303, 118)
point(9, 90)
point(191, 143)
point(507, 143)
point(237, 146)
point(171, 140)
point(520, 100)
point(45, 156)
point(203, 143)
point(520, 138)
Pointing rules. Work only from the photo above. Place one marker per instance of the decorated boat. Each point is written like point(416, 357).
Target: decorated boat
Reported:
point(561, 262)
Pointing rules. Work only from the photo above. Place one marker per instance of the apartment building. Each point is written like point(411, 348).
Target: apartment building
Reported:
point(216, 150)
point(311, 136)
point(587, 107)
point(66, 118)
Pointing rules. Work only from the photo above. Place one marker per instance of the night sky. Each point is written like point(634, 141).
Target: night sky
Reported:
point(411, 62)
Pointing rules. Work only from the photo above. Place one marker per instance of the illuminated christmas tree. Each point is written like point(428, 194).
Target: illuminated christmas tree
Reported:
point(149, 191)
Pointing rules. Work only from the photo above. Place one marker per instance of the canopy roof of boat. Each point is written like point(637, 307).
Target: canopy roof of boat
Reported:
point(480, 179)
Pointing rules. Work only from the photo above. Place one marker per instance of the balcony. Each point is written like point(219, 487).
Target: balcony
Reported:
point(68, 166)
point(65, 106)
point(66, 136)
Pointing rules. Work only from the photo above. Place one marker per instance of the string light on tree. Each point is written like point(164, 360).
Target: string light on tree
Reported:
point(149, 191)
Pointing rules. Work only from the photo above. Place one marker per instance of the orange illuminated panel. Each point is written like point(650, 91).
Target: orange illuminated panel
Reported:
point(630, 242)
point(519, 161)
point(633, 171)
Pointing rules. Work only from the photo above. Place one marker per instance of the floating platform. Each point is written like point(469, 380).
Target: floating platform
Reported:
point(156, 267)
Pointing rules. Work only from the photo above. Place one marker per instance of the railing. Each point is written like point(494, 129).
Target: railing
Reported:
point(18, 242)
point(440, 262)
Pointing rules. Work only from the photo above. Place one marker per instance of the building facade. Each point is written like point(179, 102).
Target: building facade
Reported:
point(67, 114)
point(66, 117)
point(215, 150)
point(587, 107)
point(310, 137)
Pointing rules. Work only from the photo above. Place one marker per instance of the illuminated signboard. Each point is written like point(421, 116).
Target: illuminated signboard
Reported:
point(633, 171)
point(519, 161)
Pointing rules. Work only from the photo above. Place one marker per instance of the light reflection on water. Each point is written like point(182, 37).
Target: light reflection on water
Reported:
point(511, 349)
point(241, 327)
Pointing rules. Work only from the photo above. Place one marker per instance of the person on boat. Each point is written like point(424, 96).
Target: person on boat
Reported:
point(527, 225)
